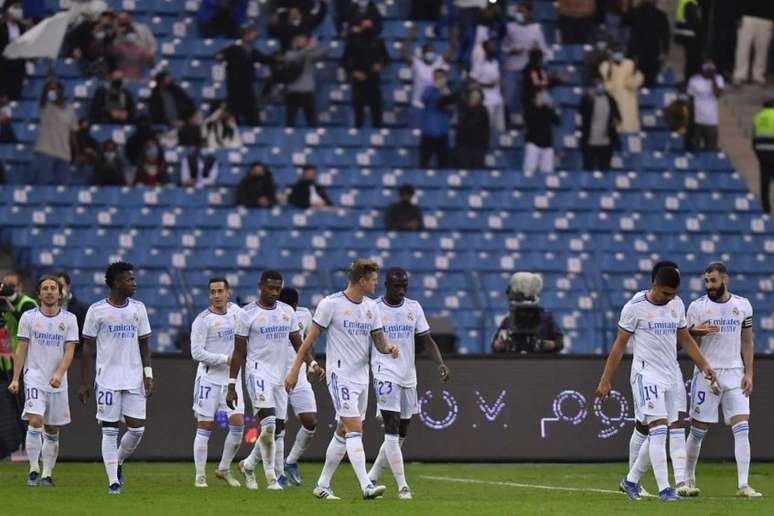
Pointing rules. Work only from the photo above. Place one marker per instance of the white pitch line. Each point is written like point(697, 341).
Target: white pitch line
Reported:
point(516, 484)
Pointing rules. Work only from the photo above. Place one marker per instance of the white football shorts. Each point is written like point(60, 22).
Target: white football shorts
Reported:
point(210, 398)
point(54, 407)
point(704, 404)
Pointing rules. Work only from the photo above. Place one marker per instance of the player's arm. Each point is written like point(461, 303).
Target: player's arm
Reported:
point(64, 365)
point(313, 367)
point(426, 340)
point(145, 357)
point(689, 345)
point(301, 353)
point(199, 353)
point(87, 363)
point(237, 360)
point(748, 351)
point(383, 345)
point(18, 364)
point(613, 360)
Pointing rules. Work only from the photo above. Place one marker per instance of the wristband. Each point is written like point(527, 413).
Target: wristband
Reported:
point(313, 364)
point(148, 372)
point(232, 381)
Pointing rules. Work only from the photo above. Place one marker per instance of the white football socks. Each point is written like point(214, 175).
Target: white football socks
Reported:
point(279, 454)
point(231, 446)
point(200, 445)
point(692, 450)
point(337, 448)
point(33, 443)
point(49, 453)
point(129, 443)
point(266, 444)
point(357, 458)
point(395, 459)
point(658, 455)
point(677, 453)
point(381, 462)
point(303, 438)
point(110, 452)
point(635, 443)
point(742, 451)
point(641, 463)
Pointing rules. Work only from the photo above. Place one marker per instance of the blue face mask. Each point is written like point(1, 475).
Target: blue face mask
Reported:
point(600, 89)
point(618, 57)
point(429, 57)
point(520, 18)
point(52, 95)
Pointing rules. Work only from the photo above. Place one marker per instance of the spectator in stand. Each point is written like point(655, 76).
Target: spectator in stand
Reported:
point(134, 150)
point(622, 80)
point(678, 116)
point(144, 36)
point(152, 169)
point(88, 148)
point(423, 66)
point(599, 119)
point(7, 134)
point(754, 32)
point(404, 215)
point(486, 72)
point(285, 26)
point(364, 15)
point(689, 33)
point(240, 59)
point(706, 88)
point(536, 77)
point(649, 41)
point(615, 14)
point(221, 130)
point(307, 193)
point(763, 144)
point(472, 136)
point(216, 18)
point(109, 169)
point(56, 143)
point(540, 118)
point(522, 35)
point(594, 57)
point(112, 102)
point(86, 32)
point(257, 189)
point(169, 104)
point(439, 102)
point(12, 71)
point(576, 20)
point(190, 132)
point(199, 168)
point(300, 93)
point(468, 13)
point(129, 57)
point(365, 56)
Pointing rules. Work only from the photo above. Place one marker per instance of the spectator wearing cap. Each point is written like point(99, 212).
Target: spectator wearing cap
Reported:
point(404, 215)
point(217, 18)
point(540, 119)
point(472, 136)
point(622, 80)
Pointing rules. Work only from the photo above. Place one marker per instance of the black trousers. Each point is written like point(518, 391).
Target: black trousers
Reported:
point(469, 157)
point(705, 138)
point(766, 162)
point(576, 31)
point(367, 93)
point(244, 104)
point(438, 147)
point(303, 101)
point(597, 157)
point(692, 46)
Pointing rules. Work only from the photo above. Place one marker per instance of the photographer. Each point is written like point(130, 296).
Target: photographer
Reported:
point(13, 303)
point(528, 328)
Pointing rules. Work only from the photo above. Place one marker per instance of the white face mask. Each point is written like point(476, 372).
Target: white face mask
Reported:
point(16, 13)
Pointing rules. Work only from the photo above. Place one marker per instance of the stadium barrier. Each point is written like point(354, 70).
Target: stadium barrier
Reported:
point(492, 410)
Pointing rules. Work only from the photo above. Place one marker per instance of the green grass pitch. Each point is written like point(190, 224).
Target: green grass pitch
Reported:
point(443, 489)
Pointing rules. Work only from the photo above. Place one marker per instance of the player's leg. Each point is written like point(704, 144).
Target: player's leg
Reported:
point(57, 415)
point(263, 450)
point(638, 438)
point(381, 460)
point(204, 429)
point(704, 411)
point(677, 452)
point(304, 436)
point(279, 453)
point(133, 408)
point(34, 444)
point(335, 452)
point(692, 449)
point(109, 415)
point(736, 412)
point(236, 429)
point(352, 415)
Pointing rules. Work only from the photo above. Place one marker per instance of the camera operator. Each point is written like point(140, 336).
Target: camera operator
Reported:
point(527, 328)
point(13, 303)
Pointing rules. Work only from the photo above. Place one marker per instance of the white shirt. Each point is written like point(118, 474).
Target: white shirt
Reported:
point(487, 71)
point(524, 37)
point(267, 331)
point(212, 343)
point(654, 336)
point(303, 322)
point(401, 324)
point(422, 76)
point(46, 336)
point(723, 350)
point(117, 330)
point(705, 103)
point(349, 326)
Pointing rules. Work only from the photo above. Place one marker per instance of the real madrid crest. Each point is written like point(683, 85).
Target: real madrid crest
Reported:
point(735, 311)
point(61, 326)
point(369, 314)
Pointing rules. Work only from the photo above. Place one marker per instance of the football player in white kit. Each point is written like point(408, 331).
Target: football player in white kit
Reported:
point(395, 381)
point(263, 330)
point(118, 327)
point(654, 320)
point(730, 352)
point(47, 339)
point(301, 399)
point(212, 344)
point(351, 320)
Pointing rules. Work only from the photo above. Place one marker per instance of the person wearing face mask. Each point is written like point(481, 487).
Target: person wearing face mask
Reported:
point(217, 18)
point(129, 57)
point(152, 170)
point(486, 72)
point(599, 119)
point(522, 35)
point(199, 168)
point(109, 170)
point(706, 88)
point(112, 102)
point(169, 103)
point(540, 120)
point(257, 188)
point(12, 71)
point(70, 301)
point(285, 26)
point(307, 193)
point(56, 144)
point(365, 56)
point(364, 17)
point(623, 80)
point(472, 136)
point(678, 116)
point(423, 65)
point(536, 77)
point(143, 36)
point(439, 102)
point(649, 39)
point(13, 303)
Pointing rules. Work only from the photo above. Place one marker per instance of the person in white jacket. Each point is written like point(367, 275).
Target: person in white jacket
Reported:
point(622, 81)
point(485, 71)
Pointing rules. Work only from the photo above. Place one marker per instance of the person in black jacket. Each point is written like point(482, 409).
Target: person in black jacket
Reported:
point(403, 215)
point(307, 193)
point(109, 170)
point(112, 103)
point(240, 59)
point(472, 139)
point(285, 26)
point(169, 103)
point(365, 56)
point(540, 118)
point(649, 40)
point(600, 116)
point(257, 189)
point(365, 16)
point(12, 71)
point(135, 144)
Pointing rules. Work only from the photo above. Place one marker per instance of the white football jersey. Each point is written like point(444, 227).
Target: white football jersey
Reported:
point(349, 326)
point(401, 324)
point(303, 322)
point(267, 332)
point(654, 336)
point(46, 337)
point(212, 343)
point(117, 330)
point(724, 350)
